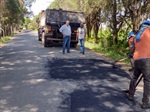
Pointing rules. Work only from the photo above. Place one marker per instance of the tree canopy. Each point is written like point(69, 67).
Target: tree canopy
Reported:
point(12, 14)
point(116, 14)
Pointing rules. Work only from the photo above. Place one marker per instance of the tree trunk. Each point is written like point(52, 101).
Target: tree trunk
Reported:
point(136, 13)
point(2, 32)
point(114, 19)
point(135, 25)
point(101, 30)
point(15, 29)
point(88, 26)
point(115, 36)
point(136, 20)
point(96, 28)
point(11, 30)
point(88, 31)
point(5, 32)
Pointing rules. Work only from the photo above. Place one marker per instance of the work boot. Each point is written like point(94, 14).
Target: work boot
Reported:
point(131, 69)
point(145, 105)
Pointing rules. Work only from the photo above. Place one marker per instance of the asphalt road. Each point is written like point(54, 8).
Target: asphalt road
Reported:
point(38, 79)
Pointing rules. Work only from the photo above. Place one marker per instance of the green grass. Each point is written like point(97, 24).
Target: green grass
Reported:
point(5, 39)
point(112, 52)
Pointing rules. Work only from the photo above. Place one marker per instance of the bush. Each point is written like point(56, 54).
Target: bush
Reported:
point(107, 47)
point(5, 39)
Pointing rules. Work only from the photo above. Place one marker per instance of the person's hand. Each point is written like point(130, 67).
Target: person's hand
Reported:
point(64, 35)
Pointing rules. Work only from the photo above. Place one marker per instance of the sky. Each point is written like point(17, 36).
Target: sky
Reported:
point(40, 5)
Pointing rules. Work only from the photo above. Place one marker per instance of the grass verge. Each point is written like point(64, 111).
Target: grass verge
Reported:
point(4, 40)
point(112, 53)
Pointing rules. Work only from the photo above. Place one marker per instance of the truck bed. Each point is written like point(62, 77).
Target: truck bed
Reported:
point(53, 15)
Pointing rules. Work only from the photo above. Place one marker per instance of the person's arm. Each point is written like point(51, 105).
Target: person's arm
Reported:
point(70, 30)
point(61, 30)
point(133, 45)
point(84, 33)
point(77, 33)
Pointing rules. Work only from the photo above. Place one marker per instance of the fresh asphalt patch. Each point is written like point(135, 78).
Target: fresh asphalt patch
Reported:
point(98, 86)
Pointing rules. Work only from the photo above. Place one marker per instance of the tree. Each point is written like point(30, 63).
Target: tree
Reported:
point(93, 19)
point(33, 24)
point(2, 6)
point(92, 16)
point(138, 10)
point(26, 22)
point(116, 14)
point(12, 14)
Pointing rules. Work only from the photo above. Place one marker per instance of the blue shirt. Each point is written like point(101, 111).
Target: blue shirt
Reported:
point(65, 30)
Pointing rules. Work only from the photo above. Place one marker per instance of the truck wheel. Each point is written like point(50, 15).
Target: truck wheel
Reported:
point(44, 43)
point(74, 45)
point(39, 38)
point(50, 44)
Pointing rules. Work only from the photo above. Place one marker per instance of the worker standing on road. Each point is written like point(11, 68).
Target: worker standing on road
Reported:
point(66, 31)
point(142, 63)
point(130, 38)
point(81, 36)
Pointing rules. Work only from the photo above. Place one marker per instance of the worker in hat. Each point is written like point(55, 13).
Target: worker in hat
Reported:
point(141, 58)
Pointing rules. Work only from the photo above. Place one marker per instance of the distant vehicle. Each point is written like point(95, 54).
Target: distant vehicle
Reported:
point(51, 20)
point(24, 28)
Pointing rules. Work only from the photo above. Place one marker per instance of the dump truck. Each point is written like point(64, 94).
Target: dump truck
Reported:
point(50, 21)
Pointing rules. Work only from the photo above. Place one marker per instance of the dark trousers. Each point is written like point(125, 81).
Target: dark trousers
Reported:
point(141, 67)
point(132, 62)
point(66, 43)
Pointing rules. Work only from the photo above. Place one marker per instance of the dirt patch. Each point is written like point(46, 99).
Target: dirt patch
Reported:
point(1, 44)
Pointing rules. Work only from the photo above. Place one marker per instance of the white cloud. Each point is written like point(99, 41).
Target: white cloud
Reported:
point(40, 5)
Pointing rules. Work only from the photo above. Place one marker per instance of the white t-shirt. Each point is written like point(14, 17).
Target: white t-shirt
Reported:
point(81, 33)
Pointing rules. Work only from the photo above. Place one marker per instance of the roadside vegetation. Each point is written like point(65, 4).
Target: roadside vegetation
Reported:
point(106, 47)
point(13, 14)
point(108, 23)
point(4, 40)
point(115, 52)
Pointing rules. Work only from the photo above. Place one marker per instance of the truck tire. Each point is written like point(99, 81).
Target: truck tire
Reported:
point(39, 38)
point(74, 45)
point(50, 44)
point(44, 41)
